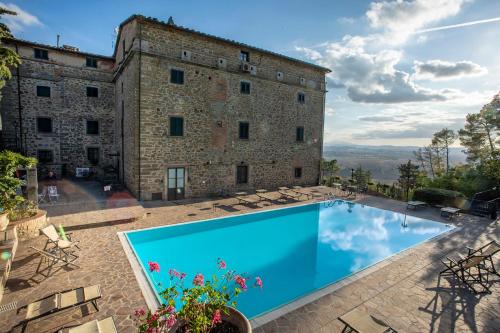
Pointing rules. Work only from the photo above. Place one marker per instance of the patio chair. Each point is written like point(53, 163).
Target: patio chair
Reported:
point(60, 301)
point(488, 251)
point(469, 270)
point(61, 245)
point(51, 259)
point(450, 212)
point(42, 196)
point(415, 204)
point(361, 322)
point(106, 325)
point(52, 191)
point(261, 193)
point(285, 191)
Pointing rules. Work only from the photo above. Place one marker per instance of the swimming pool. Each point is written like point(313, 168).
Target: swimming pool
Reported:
point(296, 250)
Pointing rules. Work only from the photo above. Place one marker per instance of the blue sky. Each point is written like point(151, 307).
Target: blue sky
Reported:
point(392, 82)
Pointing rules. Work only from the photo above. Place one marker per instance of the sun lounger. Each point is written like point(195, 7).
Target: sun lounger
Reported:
point(299, 190)
point(64, 246)
point(106, 325)
point(60, 301)
point(262, 194)
point(360, 322)
point(245, 198)
point(285, 191)
point(415, 204)
point(488, 251)
point(449, 212)
point(470, 270)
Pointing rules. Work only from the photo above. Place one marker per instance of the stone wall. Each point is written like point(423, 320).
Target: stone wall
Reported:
point(69, 108)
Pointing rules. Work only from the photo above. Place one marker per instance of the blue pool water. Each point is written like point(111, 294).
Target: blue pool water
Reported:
point(295, 250)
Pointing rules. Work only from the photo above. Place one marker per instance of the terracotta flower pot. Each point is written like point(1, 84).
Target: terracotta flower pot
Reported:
point(4, 221)
point(234, 317)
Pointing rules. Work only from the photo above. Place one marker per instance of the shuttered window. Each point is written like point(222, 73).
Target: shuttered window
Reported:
point(242, 174)
point(300, 134)
point(176, 76)
point(244, 131)
point(176, 126)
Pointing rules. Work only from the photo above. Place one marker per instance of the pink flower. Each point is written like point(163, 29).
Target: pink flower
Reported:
point(139, 312)
point(216, 319)
point(153, 266)
point(170, 309)
point(173, 272)
point(183, 275)
point(171, 321)
point(241, 281)
point(258, 282)
point(222, 263)
point(198, 279)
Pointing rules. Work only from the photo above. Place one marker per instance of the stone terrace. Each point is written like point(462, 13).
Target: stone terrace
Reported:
point(406, 292)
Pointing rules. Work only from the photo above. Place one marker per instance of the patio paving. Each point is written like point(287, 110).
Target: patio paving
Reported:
point(406, 293)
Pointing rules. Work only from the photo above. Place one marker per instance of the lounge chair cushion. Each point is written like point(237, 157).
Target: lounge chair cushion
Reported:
point(90, 327)
point(107, 325)
point(64, 244)
point(364, 323)
point(51, 232)
point(41, 307)
point(92, 292)
point(71, 298)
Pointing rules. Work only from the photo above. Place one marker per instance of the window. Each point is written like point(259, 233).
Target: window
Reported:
point(92, 127)
point(244, 131)
point(123, 49)
point(44, 125)
point(176, 76)
point(41, 54)
point(93, 155)
point(43, 91)
point(245, 56)
point(241, 174)
point(45, 156)
point(176, 126)
point(122, 87)
point(298, 172)
point(301, 98)
point(92, 92)
point(91, 62)
point(300, 134)
point(245, 87)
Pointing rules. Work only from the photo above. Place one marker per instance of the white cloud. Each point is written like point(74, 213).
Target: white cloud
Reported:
point(346, 20)
point(329, 111)
point(401, 19)
point(445, 70)
point(21, 20)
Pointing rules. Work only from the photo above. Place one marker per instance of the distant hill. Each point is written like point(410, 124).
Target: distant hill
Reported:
point(382, 161)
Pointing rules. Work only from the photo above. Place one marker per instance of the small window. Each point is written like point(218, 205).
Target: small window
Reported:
point(300, 134)
point(45, 156)
point(44, 125)
point(298, 172)
point(123, 49)
point(92, 92)
point(122, 87)
point(176, 126)
point(301, 98)
point(93, 155)
point(244, 131)
point(242, 174)
point(41, 54)
point(176, 76)
point(92, 127)
point(91, 62)
point(245, 87)
point(245, 56)
point(43, 91)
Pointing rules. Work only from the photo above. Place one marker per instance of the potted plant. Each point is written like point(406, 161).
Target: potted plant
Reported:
point(9, 183)
point(205, 307)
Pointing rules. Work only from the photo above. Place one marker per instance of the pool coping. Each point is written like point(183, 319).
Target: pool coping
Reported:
point(152, 301)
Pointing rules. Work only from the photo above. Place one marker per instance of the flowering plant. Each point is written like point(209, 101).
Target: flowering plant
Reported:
point(198, 308)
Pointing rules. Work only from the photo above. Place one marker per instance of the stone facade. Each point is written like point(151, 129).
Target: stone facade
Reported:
point(212, 106)
point(68, 107)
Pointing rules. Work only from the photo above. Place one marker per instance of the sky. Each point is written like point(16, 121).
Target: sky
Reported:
point(401, 70)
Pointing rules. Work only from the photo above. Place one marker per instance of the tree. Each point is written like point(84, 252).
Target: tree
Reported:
point(361, 177)
point(8, 58)
point(442, 140)
point(329, 168)
point(429, 156)
point(480, 135)
point(9, 183)
point(408, 174)
point(420, 158)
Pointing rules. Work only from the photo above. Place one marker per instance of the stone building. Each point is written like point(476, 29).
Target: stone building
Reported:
point(180, 113)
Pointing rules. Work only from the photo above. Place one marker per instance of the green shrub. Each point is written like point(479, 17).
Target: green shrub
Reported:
point(437, 196)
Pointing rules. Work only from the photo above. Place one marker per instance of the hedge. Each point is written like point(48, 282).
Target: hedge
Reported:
point(437, 196)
